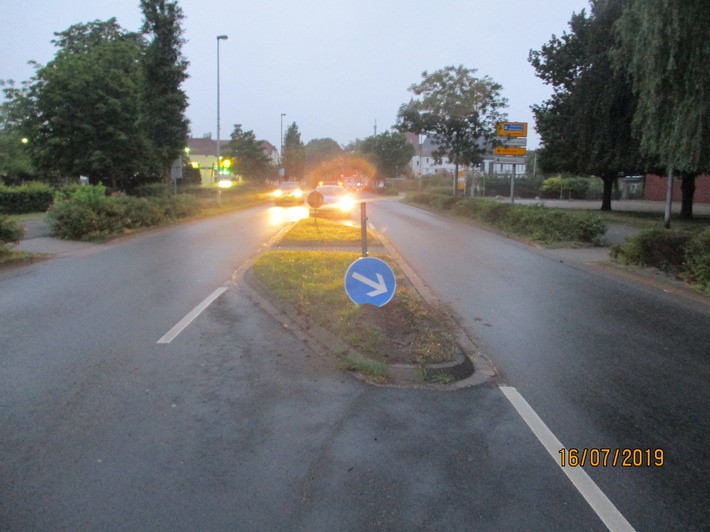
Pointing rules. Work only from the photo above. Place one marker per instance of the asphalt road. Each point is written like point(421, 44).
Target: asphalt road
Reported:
point(606, 362)
point(235, 424)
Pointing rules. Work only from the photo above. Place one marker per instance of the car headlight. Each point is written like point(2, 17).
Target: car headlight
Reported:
point(298, 193)
point(346, 203)
point(278, 193)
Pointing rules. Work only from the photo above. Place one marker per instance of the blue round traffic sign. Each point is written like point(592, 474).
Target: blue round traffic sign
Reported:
point(370, 281)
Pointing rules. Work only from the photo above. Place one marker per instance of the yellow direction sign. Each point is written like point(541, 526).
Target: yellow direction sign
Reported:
point(509, 150)
point(512, 129)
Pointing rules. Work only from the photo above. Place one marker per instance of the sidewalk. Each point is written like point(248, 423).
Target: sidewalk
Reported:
point(38, 239)
point(699, 209)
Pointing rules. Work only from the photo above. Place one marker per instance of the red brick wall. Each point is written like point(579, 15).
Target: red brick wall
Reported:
point(655, 189)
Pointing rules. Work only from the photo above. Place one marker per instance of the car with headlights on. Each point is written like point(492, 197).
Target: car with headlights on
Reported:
point(288, 192)
point(337, 201)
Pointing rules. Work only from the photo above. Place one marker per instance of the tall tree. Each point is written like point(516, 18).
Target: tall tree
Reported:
point(15, 162)
point(250, 159)
point(86, 106)
point(319, 151)
point(586, 125)
point(390, 152)
point(459, 110)
point(294, 155)
point(664, 45)
point(164, 70)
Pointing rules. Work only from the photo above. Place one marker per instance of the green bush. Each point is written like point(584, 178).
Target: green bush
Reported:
point(10, 231)
point(74, 221)
point(530, 221)
point(152, 190)
point(32, 197)
point(86, 213)
point(697, 261)
point(681, 253)
point(661, 248)
point(568, 187)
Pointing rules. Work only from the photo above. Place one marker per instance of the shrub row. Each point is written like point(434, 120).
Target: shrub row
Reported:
point(684, 254)
point(33, 197)
point(87, 213)
point(530, 221)
point(10, 232)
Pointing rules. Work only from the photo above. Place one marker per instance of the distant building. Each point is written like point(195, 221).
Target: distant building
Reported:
point(422, 163)
point(656, 187)
point(203, 154)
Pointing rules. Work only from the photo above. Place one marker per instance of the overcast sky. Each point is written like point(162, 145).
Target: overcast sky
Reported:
point(335, 67)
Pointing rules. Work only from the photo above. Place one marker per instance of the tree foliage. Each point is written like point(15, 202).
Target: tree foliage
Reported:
point(320, 151)
point(86, 106)
point(15, 162)
point(109, 104)
point(250, 159)
point(585, 126)
point(459, 110)
point(164, 71)
point(294, 155)
point(390, 152)
point(664, 46)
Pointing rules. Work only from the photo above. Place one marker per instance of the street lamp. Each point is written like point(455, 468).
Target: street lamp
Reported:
point(282, 138)
point(219, 38)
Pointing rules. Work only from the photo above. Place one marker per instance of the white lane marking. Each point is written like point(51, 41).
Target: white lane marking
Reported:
point(180, 326)
point(595, 497)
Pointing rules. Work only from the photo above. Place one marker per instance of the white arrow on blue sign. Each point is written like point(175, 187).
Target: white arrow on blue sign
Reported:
point(370, 281)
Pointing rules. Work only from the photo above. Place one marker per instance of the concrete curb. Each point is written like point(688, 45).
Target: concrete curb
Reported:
point(326, 343)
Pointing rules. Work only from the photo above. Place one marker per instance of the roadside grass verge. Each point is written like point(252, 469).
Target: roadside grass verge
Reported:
point(533, 222)
point(405, 330)
point(321, 230)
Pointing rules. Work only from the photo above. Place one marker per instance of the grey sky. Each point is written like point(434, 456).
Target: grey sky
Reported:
point(335, 67)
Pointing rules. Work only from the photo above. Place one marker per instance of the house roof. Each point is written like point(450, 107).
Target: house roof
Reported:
point(205, 146)
point(208, 147)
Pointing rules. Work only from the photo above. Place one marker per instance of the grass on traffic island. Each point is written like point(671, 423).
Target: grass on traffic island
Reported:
point(405, 330)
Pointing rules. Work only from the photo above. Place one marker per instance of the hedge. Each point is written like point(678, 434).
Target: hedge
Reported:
point(32, 197)
point(535, 222)
point(87, 213)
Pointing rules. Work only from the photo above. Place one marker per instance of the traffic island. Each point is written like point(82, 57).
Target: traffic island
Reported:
point(405, 341)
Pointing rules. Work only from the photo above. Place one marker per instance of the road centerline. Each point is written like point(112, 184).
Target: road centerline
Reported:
point(183, 323)
point(595, 497)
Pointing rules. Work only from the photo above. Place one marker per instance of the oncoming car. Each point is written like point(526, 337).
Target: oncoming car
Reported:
point(336, 200)
point(288, 192)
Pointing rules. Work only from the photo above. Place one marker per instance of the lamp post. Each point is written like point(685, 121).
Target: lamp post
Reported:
point(281, 151)
point(219, 38)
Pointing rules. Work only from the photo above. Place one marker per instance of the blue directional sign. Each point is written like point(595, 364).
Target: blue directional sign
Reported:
point(370, 280)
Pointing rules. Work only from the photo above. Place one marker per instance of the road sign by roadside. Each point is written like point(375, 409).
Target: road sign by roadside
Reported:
point(506, 150)
point(518, 142)
point(512, 129)
point(315, 199)
point(370, 281)
point(507, 159)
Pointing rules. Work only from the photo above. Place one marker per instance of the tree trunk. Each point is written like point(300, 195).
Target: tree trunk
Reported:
point(456, 178)
point(687, 187)
point(608, 181)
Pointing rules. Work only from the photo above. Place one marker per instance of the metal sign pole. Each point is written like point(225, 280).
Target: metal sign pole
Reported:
point(512, 186)
point(363, 227)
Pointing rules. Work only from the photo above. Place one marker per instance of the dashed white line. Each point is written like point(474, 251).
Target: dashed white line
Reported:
point(180, 326)
point(595, 497)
